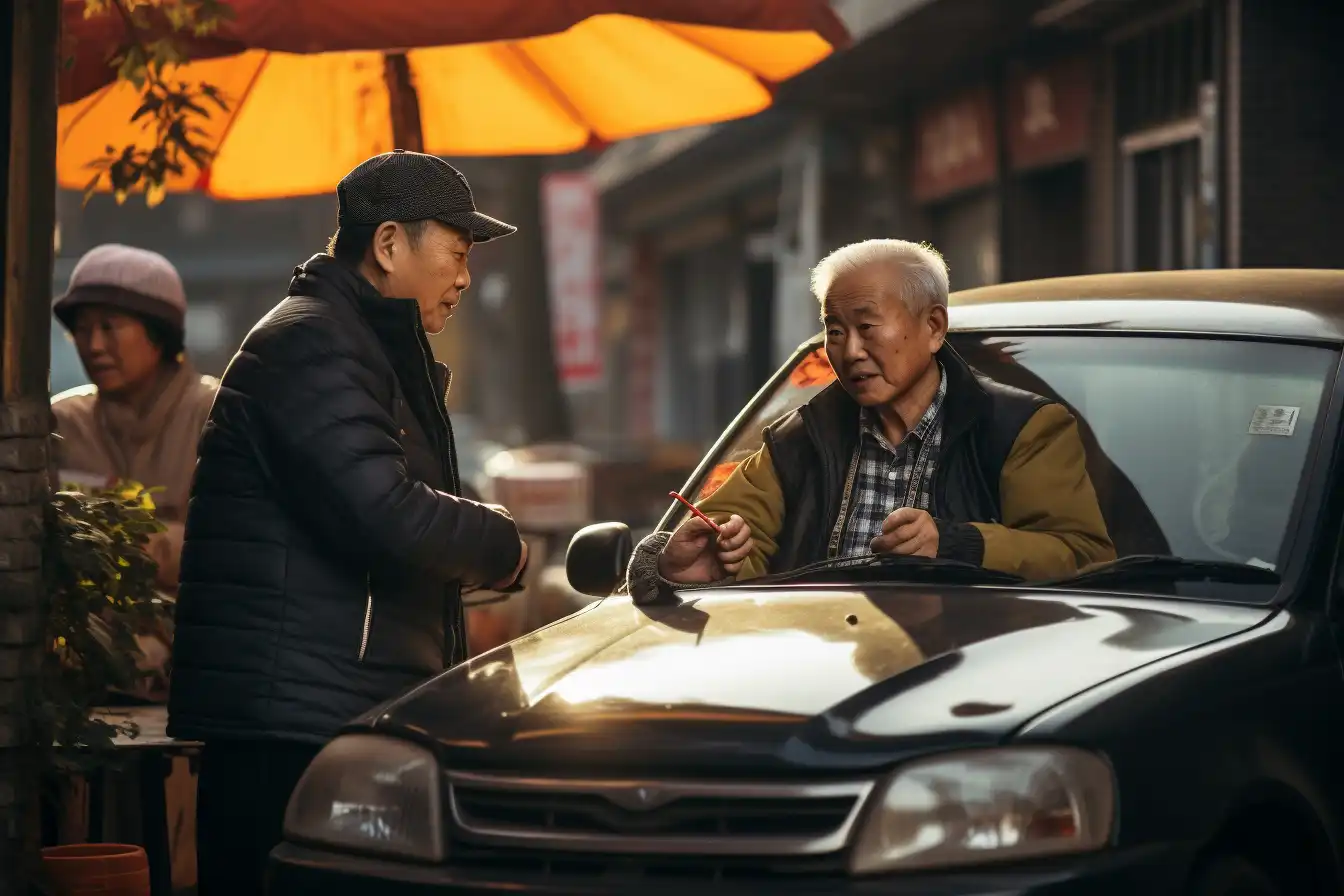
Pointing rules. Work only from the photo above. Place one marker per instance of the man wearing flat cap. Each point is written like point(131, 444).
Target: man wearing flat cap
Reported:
point(326, 543)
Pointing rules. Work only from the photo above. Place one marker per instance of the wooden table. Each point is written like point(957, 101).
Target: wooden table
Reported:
point(151, 752)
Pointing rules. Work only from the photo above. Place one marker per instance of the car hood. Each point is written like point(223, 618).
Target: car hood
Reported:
point(770, 677)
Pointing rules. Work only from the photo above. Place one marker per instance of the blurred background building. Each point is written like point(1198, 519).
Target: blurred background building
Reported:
point(1023, 138)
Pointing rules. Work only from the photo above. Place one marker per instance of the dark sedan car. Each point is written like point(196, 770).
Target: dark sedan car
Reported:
point(1170, 723)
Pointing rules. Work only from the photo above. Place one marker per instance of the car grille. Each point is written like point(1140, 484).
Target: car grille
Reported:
point(513, 864)
point(656, 817)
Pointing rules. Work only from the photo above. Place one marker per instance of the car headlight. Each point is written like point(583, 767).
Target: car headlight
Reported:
point(1012, 803)
point(370, 793)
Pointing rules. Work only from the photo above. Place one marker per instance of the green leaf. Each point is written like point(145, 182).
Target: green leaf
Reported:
point(220, 102)
point(178, 16)
point(151, 104)
point(96, 542)
point(198, 154)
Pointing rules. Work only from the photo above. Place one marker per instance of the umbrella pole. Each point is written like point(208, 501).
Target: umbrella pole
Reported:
point(404, 103)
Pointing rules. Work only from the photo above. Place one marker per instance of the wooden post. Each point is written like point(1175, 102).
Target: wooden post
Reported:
point(540, 407)
point(404, 103)
point(29, 41)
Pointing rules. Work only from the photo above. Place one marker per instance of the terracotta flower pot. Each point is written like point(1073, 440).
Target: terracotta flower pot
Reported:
point(108, 869)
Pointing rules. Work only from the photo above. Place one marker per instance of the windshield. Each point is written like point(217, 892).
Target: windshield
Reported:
point(1196, 446)
point(810, 374)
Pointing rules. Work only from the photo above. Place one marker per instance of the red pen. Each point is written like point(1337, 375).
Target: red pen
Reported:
point(696, 510)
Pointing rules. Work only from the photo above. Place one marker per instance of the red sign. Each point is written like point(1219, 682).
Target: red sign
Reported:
point(1049, 113)
point(957, 145)
point(569, 208)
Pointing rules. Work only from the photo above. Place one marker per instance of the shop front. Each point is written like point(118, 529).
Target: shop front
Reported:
point(1048, 124)
point(955, 181)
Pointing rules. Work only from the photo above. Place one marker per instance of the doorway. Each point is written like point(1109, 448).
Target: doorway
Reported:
point(1047, 226)
point(966, 232)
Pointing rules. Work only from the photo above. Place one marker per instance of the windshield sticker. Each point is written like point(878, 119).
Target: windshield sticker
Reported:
point(1274, 420)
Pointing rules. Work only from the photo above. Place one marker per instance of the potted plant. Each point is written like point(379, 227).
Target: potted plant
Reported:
point(101, 595)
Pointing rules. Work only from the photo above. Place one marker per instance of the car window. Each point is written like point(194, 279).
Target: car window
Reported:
point(1196, 446)
point(810, 375)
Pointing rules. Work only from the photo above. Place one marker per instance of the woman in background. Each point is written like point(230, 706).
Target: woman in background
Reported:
point(138, 420)
point(141, 416)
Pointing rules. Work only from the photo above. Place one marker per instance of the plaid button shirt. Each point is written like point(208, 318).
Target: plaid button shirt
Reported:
point(890, 476)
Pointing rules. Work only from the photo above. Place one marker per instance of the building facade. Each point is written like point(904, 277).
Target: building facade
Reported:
point(1022, 138)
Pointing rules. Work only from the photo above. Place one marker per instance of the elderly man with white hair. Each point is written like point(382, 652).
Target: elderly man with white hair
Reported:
point(910, 452)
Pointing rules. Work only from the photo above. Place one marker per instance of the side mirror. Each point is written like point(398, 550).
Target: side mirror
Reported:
point(597, 557)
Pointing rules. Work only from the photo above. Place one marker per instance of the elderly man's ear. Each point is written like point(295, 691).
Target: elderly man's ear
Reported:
point(937, 323)
point(387, 243)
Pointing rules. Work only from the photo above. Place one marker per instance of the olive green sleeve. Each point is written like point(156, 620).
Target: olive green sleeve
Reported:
point(1052, 524)
point(752, 491)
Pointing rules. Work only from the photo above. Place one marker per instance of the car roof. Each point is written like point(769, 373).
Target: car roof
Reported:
point(1277, 303)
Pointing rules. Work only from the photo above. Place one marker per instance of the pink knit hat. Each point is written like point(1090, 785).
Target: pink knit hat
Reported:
point(124, 277)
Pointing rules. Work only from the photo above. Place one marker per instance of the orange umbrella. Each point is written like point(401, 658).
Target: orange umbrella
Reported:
point(535, 78)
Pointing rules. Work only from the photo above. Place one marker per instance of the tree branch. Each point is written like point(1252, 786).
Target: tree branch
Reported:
point(176, 112)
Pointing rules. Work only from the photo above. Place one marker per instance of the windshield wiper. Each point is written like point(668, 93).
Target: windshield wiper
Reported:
point(892, 568)
point(1162, 567)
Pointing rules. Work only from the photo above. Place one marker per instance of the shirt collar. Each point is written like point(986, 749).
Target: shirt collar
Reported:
point(870, 425)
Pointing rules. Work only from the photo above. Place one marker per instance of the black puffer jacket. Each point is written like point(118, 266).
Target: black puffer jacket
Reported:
point(324, 545)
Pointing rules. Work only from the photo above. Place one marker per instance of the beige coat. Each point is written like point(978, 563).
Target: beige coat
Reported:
point(154, 445)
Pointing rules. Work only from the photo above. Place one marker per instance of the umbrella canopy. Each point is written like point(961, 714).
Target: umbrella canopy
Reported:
point(313, 84)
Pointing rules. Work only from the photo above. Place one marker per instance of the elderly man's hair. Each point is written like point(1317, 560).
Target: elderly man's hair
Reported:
point(350, 243)
point(921, 269)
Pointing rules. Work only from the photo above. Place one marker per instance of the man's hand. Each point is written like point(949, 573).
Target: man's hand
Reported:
point(522, 557)
point(907, 531)
point(694, 556)
point(518, 570)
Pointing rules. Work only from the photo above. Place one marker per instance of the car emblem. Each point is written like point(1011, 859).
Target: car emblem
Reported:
point(638, 798)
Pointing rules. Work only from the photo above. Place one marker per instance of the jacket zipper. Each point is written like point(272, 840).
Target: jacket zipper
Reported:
point(458, 631)
point(427, 355)
point(368, 620)
point(842, 518)
point(452, 439)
